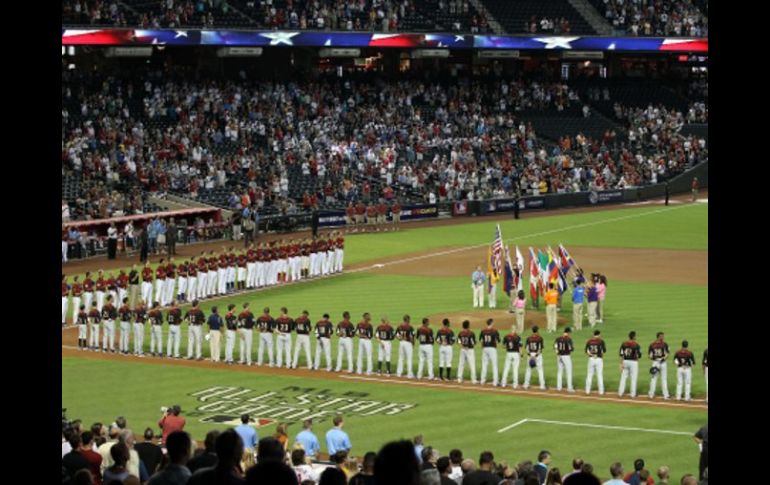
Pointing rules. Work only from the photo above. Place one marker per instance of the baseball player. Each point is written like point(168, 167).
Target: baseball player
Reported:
point(578, 295)
point(534, 347)
point(339, 253)
point(551, 302)
point(181, 286)
point(147, 282)
point(595, 349)
point(489, 338)
point(140, 316)
point(365, 332)
point(382, 215)
point(232, 270)
point(266, 326)
point(385, 336)
point(222, 272)
point(684, 360)
point(245, 331)
point(705, 363)
point(285, 325)
point(360, 211)
point(82, 323)
point(231, 326)
point(122, 283)
point(395, 209)
point(658, 353)
point(88, 291)
point(109, 314)
point(242, 269)
point(94, 317)
point(215, 334)
point(371, 216)
point(101, 287)
point(174, 319)
point(195, 320)
point(331, 254)
point(345, 332)
point(160, 280)
point(77, 291)
point(630, 353)
point(170, 281)
point(192, 281)
point(213, 274)
point(251, 266)
point(512, 343)
point(467, 340)
point(65, 296)
point(303, 326)
point(405, 334)
point(477, 285)
point(446, 338)
point(350, 214)
point(313, 257)
point(296, 260)
point(493, 278)
point(203, 276)
point(323, 332)
point(425, 340)
point(305, 268)
point(112, 287)
point(262, 262)
point(133, 284)
point(156, 330)
point(124, 313)
point(564, 348)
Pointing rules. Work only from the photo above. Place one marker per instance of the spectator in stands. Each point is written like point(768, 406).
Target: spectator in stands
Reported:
point(332, 476)
point(634, 478)
point(429, 473)
point(270, 449)
point(171, 421)
point(118, 471)
point(616, 471)
point(366, 476)
point(554, 477)
point(689, 479)
point(302, 465)
point(577, 463)
point(282, 435)
point(418, 447)
point(484, 474)
point(663, 475)
point(541, 467)
point(208, 457)
point(274, 472)
point(149, 452)
point(178, 448)
point(248, 434)
point(227, 471)
point(104, 449)
point(74, 460)
point(396, 464)
point(83, 477)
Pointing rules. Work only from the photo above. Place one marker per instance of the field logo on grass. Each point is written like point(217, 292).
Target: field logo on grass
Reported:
point(226, 404)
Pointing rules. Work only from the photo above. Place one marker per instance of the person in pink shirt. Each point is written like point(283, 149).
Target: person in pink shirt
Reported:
point(518, 304)
point(601, 288)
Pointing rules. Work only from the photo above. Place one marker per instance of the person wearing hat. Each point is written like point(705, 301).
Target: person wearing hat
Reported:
point(564, 347)
point(534, 347)
point(171, 421)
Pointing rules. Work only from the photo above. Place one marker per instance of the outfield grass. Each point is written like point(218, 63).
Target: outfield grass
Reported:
point(447, 418)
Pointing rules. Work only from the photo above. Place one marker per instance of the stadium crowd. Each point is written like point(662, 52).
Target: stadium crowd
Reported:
point(678, 18)
point(349, 139)
point(111, 455)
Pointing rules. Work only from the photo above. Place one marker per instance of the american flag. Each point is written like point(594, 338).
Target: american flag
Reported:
point(497, 251)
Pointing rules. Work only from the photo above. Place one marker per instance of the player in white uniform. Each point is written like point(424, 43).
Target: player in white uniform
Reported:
point(534, 348)
point(466, 340)
point(345, 332)
point(160, 282)
point(658, 353)
point(365, 332)
point(684, 360)
point(266, 325)
point(195, 319)
point(140, 316)
point(284, 326)
point(595, 349)
point(489, 338)
point(109, 314)
point(251, 267)
point(147, 283)
point(65, 298)
point(323, 331)
point(339, 253)
point(425, 340)
point(303, 327)
point(182, 281)
point(124, 313)
point(81, 319)
point(564, 348)
point(512, 344)
point(94, 317)
point(231, 326)
point(385, 336)
point(405, 334)
point(445, 338)
point(174, 318)
point(630, 353)
point(156, 330)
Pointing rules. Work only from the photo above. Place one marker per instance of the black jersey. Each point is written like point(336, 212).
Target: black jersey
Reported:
point(303, 326)
point(265, 323)
point(445, 336)
point(425, 336)
point(82, 317)
point(534, 344)
point(595, 347)
point(109, 312)
point(385, 332)
point(345, 329)
point(365, 330)
point(630, 350)
point(563, 345)
point(231, 321)
point(512, 342)
point(246, 320)
point(124, 313)
point(684, 358)
point(174, 316)
point(195, 316)
point(140, 315)
point(658, 351)
point(284, 324)
point(156, 317)
point(323, 329)
point(467, 339)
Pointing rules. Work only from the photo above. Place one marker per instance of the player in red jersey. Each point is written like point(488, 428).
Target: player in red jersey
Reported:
point(396, 210)
point(147, 283)
point(350, 215)
point(160, 279)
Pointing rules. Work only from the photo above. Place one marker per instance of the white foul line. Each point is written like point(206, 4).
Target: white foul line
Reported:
point(588, 425)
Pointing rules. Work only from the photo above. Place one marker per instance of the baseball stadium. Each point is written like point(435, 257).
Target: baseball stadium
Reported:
point(275, 212)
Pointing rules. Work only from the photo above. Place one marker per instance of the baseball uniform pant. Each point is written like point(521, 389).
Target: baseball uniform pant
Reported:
point(192, 286)
point(302, 342)
point(251, 272)
point(683, 376)
point(592, 313)
point(520, 320)
point(260, 274)
point(211, 290)
point(283, 344)
point(156, 339)
point(663, 373)
point(489, 355)
point(493, 297)
point(82, 332)
point(323, 346)
point(214, 339)
point(94, 342)
point(512, 361)
point(630, 367)
point(329, 262)
point(293, 269)
point(425, 354)
point(344, 346)
point(577, 316)
point(203, 281)
point(147, 293)
point(99, 300)
point(313, 258)
point(306, 264)
point(114, 295)
point(76, 308)
point(173, 340)
point(319, 257)
point(466, 355)
point(133, 292)
point(181, 286)
point(338, 262)
point(384, 350)
point(445, 356)
point(595, 366)
point(245, 336)
point(138, 338)
point(122, 294)
point(564, 364)
point(550, 313)
point(364, 348)
point(125, 335)
point(87, 299)
point(405, 358)
point(229, 345)
point(231, 273)
point(194, 341)
point(539, 367)
point(242, 275)
point(265, 342)
point(601, 310)
point(222, 280)
point(169, 291)
point(478, 296)
point(159, 292)
point(64, 303)
point(109, 335)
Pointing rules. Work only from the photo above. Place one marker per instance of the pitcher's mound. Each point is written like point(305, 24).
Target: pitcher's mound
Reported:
point(503, 319)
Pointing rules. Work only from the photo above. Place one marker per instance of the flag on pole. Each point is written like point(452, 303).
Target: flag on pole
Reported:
point(508, 276)
point(520, 267)
point(566, 260)
point(497, 251)
point(490, 268)
point(555, 273)
point(542, 259)
point(534, 276)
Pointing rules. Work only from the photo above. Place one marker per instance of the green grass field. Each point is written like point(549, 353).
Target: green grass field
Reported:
point(450, 418)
